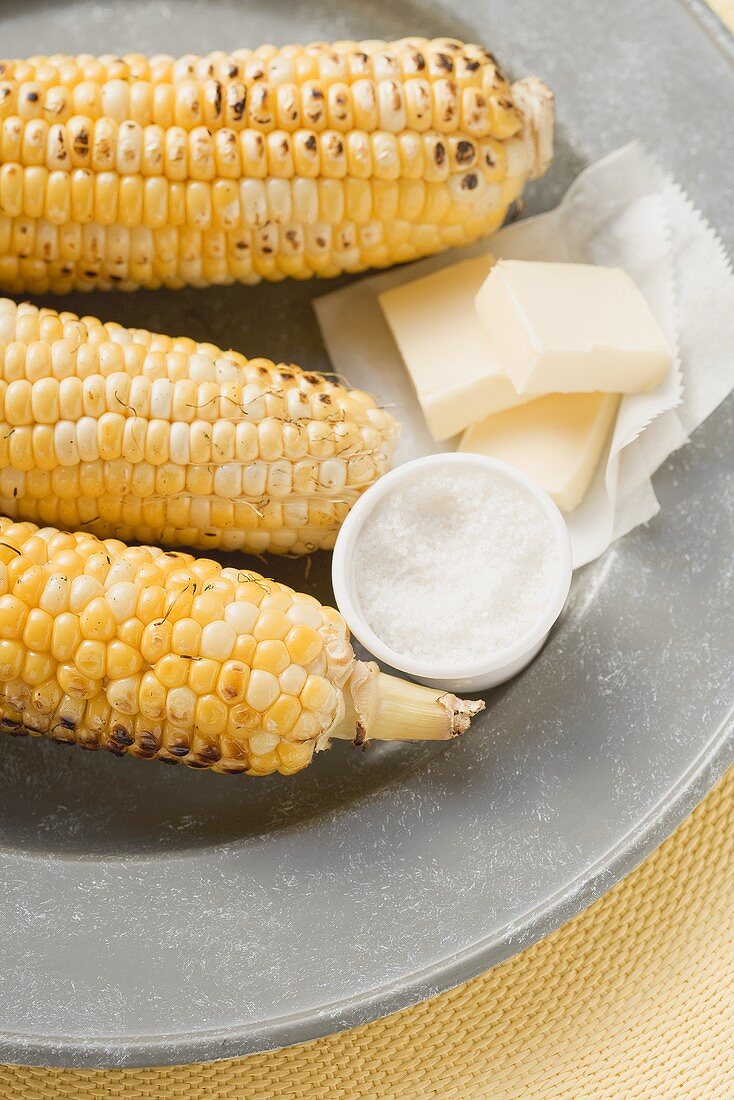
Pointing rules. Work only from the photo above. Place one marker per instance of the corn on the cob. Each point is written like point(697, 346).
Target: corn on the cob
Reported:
point(300, 161)
point(152, 439)
point(165, 656)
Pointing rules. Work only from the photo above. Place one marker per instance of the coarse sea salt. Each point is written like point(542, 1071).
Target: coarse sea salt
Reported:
point(454, 566)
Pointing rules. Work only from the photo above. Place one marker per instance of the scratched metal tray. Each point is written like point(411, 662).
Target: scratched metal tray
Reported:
point(154, 916)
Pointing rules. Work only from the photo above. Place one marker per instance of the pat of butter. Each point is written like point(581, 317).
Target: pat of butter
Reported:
point(571, 328)
point(434, 323)
point(557, 439)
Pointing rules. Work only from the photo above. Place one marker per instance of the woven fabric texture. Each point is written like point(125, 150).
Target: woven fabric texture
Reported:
point(725, 10)
point(631, 1000)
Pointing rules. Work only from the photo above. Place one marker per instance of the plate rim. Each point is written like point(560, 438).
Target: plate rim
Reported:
point(297, 1028)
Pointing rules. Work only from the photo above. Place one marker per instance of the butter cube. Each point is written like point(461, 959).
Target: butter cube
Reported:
point(456, 375)
point(571, 328)
point(557, 439)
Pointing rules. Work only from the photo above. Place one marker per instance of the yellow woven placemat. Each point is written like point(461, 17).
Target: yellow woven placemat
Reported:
point(632, 999)
point(725, 10)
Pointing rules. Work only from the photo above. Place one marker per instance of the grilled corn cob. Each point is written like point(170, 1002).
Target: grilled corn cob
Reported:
point(165, 656)
point(152, 439)
point(259, 164)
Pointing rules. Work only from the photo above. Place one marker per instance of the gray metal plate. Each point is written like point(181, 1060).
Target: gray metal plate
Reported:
point(151, 915)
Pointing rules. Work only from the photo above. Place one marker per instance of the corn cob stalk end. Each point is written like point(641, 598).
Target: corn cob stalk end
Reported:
point(386, 708)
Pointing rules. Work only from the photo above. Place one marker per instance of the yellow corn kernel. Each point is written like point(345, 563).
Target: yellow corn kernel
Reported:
point(152, 695)
point(217, 640)
point(66, 636)
point(207, 608)
point(232, 682)
point(244, 649)
point(181, 705)
point(123, 695)
point(37, 668)
point(30, 583)
point(185, 637)
point(130, 200)
point(262, 690)
point(82, 196)
point(96, 621)
point(281, 717)
point(265, 763)
point(12, 656)
point(90, 659)
point(131, 631)
point(317, 694)
point(271, 656)
point(163, 104)
point(202, 675)
point(122, 660)
point(271, 624)
point(157, 605)
point(211, 714)
point(172, 670)
point(38, 630)
point(304, 644)
point(11, 190)
point(294, 756)
point(13, 614)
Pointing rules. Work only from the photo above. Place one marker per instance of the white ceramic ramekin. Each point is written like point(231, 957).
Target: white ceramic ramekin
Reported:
point(479, 674)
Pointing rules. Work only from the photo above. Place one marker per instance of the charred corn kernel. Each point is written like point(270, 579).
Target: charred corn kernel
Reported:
point(232, 682)
point(174, 440)
point(373, 112)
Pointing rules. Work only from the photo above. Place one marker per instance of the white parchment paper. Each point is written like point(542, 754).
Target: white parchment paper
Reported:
point(623, 211)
